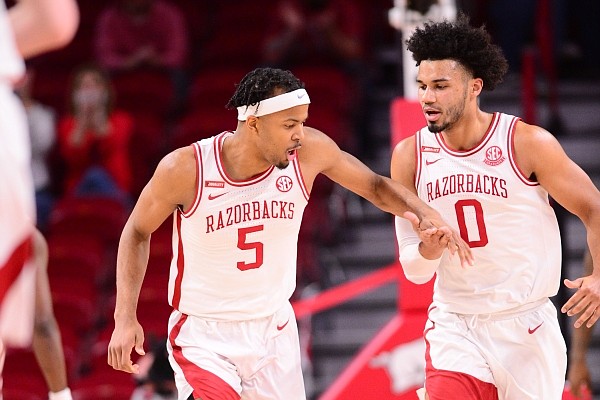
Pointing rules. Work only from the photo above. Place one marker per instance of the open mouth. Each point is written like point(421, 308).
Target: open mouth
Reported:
point(291, 154)
point(432, 115)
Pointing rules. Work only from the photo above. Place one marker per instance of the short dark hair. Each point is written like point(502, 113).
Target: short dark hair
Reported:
point(470, 46)
point(261, 84)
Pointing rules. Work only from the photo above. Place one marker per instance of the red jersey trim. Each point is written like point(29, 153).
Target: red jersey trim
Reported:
point(13, 267)
point(205, 384)
point(180, 264)
point(218, 146)
point(418, 158)
point(482, 143)
point(300, 178)
point(199, 181)
point(511, 154)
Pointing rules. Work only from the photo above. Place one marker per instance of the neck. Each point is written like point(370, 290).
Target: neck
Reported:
point(240, 158)
point(468, 131)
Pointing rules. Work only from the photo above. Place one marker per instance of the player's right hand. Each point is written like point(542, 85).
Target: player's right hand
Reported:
point(436, 234)
point(124, 339)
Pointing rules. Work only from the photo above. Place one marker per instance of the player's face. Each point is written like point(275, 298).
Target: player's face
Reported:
point(281, 134)
point(442, 91)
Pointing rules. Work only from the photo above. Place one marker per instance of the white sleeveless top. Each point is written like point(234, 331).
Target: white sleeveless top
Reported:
point(12, 65)
point(17, 203)
point(505, 217)
point(235, 248)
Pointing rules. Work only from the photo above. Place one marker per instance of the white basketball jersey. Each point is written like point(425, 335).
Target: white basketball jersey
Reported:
point(17, 204)
point(12, 66)
point(235, 248)
point(505, 217)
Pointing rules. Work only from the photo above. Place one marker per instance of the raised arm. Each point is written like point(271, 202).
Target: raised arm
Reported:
point(172, 186)
point(43, 25)
point(383, 192)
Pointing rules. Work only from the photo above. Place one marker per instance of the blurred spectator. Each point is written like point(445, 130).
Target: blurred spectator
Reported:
point(94, 138)
point(308, 36)
point(315, 31)
point(134, 34)
point(156, 380)
point(41, 120)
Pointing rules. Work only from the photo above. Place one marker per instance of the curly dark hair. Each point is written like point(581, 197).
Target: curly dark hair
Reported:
point(262, 83)
point(470, 46)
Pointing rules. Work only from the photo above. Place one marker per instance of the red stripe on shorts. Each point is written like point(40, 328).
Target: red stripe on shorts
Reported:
point(13, 267)
point(452, 385)
point(205, 384)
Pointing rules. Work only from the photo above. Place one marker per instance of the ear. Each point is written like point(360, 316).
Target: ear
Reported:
point(252, 122)
point(476, 86)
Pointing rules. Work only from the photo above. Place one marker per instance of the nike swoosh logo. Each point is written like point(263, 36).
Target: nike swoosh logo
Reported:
point(432, 162)
point(532, 331)
point(300, 95)
point(280, 327)
point(215, 196)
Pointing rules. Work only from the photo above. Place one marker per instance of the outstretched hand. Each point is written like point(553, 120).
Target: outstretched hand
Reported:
point(586, 300)
point(436, 236)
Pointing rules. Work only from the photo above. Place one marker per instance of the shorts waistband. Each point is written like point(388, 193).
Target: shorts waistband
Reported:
point(508, 314)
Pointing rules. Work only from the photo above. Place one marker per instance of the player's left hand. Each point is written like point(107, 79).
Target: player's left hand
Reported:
point(586, 300)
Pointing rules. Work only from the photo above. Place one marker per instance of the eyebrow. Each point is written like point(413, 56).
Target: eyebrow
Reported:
point(436, 80)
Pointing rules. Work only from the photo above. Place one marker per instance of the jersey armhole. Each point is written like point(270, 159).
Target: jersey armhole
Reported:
point(512, 156)
point(298, 172)
point(199, 181)
point(417, 158)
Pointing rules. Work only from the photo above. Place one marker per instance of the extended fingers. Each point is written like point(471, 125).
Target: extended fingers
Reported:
point(590, 315)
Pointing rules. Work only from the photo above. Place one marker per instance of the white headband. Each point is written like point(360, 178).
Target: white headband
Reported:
point(273, 104)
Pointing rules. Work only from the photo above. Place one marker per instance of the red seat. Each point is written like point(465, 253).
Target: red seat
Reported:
point(236, 36)
point(214, 87)
point(328, 87)
point(10, 393)
point(76, 257)
point(201, 123)
point(22, 376)
point(74, 313)
point(146, 148)
point(144, 91)
point(95, 216)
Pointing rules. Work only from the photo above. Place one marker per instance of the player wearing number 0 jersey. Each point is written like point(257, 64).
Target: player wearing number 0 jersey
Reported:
point(490, 200)
point(235, 257)
point(502, 302)
point(492, 332)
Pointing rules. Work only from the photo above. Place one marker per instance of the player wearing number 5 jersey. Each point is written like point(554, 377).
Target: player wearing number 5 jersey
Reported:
point(492, 332)
point(237, 201)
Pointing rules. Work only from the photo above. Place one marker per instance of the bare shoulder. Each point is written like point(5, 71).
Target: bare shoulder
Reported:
point(316, 145)
point(175, 176)
point(403, 157)
point(178, 161)
point(528, 135)
point(546, 146)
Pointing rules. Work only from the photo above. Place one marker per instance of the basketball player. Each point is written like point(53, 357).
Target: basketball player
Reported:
point(29, 28)
point(492, 332)
point(237, 201)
